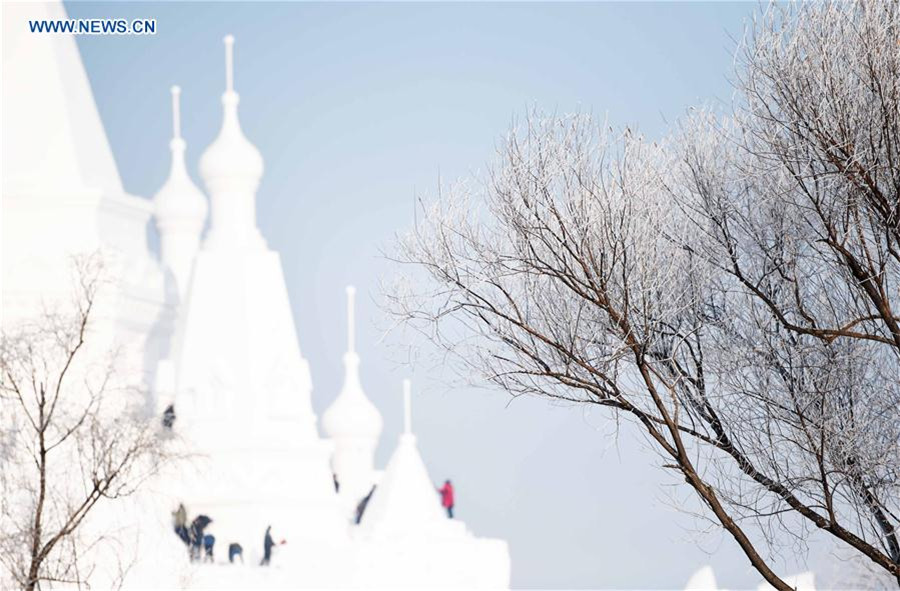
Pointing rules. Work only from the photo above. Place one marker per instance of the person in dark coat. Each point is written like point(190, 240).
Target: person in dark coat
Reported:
point(209, 541)
point(363, 503)
point(197, 526)
point(447, 498)
point(168, 418)
point(235, 551)
point(268, 542)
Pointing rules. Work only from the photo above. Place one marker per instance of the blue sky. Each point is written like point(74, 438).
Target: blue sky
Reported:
point(358, 108)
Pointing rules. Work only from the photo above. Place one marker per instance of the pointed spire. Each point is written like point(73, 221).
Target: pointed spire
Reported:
point(352, 414)
point(407, 407)
point(352, 422)
point(176, 112)
point(351, 320)
point(231, 168)
point(56, 143)
point(229, 63)
point(180, 208)
point(405, 502)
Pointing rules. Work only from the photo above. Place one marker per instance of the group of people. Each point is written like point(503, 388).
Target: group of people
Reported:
point(201, 545)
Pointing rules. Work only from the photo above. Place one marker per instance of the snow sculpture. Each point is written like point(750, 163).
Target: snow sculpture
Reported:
point(220, 344)
point(354, 424)
point(232, 167)
point(405, 501)
point(242, 387)
point(180, 209)
point(405, 539)
point(702, 580)
point(63, 200)
point(62, 195)
point(705, 580)
point(805, 581)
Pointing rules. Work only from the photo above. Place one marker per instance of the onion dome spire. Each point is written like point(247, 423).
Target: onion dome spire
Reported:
point(352, 413)
point(231, 168)
point(180, 208)
point(352, 421)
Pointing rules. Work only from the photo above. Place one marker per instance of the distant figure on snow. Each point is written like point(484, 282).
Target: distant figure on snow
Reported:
point(268, 542)
point(337, 485)
point(235, 551)
point(447, 497)
point(179, 522)
point(197, 526)
point(209, 541)
point(168, 418)
point(363, 503)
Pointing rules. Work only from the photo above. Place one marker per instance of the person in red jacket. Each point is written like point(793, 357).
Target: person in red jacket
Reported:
point(447, 497)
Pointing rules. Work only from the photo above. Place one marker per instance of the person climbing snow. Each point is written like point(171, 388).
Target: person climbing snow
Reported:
point(363, 503)
point(447, 497)
point(168, 418)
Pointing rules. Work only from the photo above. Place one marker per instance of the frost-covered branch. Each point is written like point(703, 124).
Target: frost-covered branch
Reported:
point(74, 436)
point(731, 288)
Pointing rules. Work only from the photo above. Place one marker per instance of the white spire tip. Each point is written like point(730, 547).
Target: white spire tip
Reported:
point(229, 63)
point(351, 320)
point(176, 111)
point(407, 407)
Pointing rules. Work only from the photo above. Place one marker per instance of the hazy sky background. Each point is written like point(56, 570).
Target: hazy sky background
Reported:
point(357, 108)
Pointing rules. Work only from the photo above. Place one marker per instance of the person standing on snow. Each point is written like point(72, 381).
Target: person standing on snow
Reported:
point(179, 521)
point(197, 527)
point(447, 497)
point(268, 542)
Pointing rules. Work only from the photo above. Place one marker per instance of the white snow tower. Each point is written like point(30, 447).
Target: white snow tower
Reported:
point(354, 424)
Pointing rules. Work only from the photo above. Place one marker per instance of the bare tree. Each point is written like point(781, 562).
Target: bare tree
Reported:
point(729, 289)
point(74, 438)
point(796, 197)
